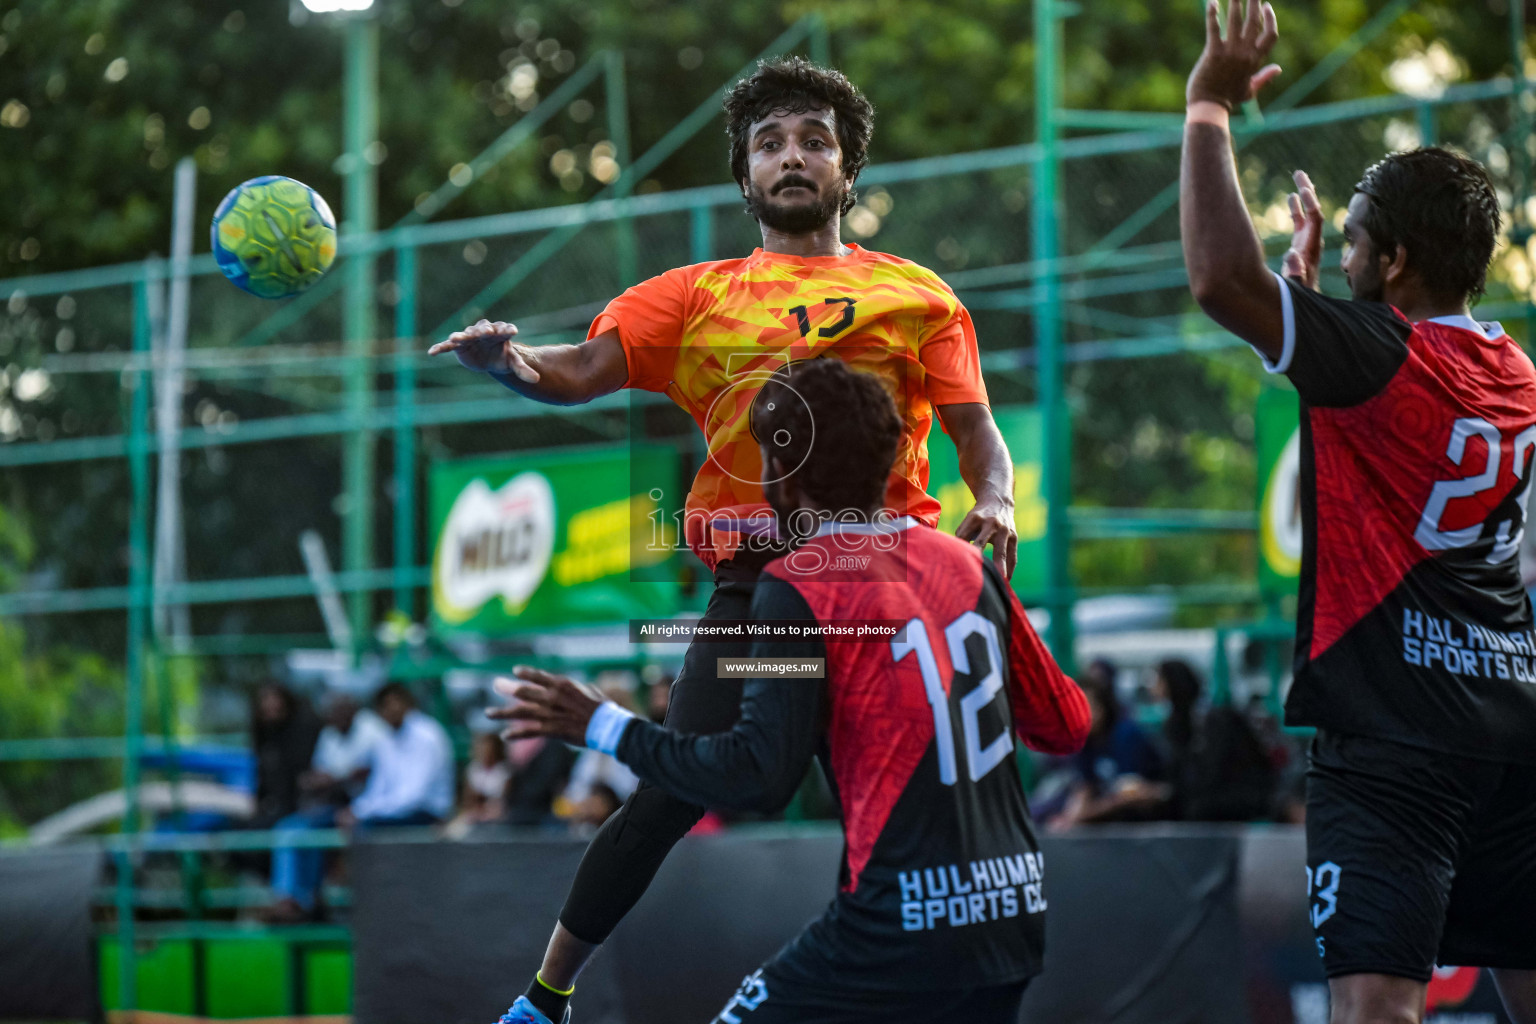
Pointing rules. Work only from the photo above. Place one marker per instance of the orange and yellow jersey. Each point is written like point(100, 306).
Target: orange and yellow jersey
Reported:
point(708, 336)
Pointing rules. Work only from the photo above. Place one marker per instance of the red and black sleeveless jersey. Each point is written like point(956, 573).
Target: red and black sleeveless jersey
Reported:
point(1417, 443)
point(942, 879)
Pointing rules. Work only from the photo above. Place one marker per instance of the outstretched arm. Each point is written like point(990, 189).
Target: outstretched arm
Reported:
point(555, 374)
point(1222, 251)
point(756, 766)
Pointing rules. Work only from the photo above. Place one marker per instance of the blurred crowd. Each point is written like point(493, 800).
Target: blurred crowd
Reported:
point(1158, 750)
point(391, 765)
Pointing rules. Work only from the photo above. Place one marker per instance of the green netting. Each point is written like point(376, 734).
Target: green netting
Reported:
point(264, 409)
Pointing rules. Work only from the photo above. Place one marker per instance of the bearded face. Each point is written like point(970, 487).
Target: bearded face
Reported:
point(795, 205)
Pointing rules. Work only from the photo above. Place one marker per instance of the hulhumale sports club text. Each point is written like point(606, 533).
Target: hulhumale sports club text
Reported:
point(984, 890)
point(1468, 650)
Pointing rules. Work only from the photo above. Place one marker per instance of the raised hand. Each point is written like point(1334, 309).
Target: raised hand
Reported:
point(1305, 255)
point(488, 347)
point(547, 705)
point(1231, 71)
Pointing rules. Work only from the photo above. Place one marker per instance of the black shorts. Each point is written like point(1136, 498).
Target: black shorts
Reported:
point(1417, 858)
point(767, 996)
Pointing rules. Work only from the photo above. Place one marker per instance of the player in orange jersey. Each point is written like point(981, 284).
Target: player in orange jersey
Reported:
point(709, 336)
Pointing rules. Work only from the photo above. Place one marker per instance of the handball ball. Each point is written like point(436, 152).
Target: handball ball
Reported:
point(274, 236)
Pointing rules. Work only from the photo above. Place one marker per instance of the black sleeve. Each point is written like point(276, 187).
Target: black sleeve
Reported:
point(759, 764)
point(1339, 352)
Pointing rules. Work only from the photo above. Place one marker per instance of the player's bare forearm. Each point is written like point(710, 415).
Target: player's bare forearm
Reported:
point(987, 469)
point(553, 374)
point(569, 374)
point(985, 464)
point(1222, 252)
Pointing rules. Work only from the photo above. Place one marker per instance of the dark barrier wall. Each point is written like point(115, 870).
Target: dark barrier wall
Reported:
point(1152, 924)
point(450, 932)
point(1141, 928)
point(47, 970)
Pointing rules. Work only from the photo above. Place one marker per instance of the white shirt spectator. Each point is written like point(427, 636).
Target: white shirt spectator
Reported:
point(339, 754)
point(412, 771)
point(593, 767)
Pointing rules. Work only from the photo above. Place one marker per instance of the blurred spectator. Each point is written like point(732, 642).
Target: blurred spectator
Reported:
point(344, 753)
point(410, 782)
point(595, 770)
point(599, 803)
point(1109, 779)
point(1219, 767)
point(658, 693)
point(283, 734)
point(540, 768)
point(1102, 672)
point(482, 798)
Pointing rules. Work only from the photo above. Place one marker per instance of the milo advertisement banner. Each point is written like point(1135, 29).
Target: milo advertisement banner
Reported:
point(1277, 433)
point(1021, 429)
point(553, 538)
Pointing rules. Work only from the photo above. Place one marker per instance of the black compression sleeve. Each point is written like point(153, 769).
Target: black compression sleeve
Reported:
point(759, 764)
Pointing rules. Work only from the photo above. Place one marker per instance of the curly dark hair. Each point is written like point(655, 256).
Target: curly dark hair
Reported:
point(795, 85)
point(837, 425)
point(1442, 209)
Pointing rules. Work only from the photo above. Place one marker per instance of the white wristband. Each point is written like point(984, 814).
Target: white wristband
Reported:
point(607, 727)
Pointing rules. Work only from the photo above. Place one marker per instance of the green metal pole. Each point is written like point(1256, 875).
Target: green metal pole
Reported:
point(626, 251)
point(1054, 414)
point(1429, 128)
point(405, 428)
point(138, 615)
point(821, 40)
point(701, 234)
point(618, 134)
point(1520, 226)
point(358, 327)
point(1273, 669)
point(165, 690)
point(1221, 668)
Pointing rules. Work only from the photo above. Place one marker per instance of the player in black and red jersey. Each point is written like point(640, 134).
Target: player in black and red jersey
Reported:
point(940, 911)
point(1415, 656)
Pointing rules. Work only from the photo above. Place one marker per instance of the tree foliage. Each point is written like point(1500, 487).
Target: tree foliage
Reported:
point(104, 96)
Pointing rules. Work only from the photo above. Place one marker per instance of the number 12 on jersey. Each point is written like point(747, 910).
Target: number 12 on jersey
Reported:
point(915, 641)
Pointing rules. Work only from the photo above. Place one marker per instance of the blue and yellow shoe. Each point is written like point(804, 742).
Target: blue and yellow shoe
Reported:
point(524, 1012)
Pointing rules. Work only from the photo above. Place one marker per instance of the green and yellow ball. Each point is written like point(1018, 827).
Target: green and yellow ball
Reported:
point(274, 236)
